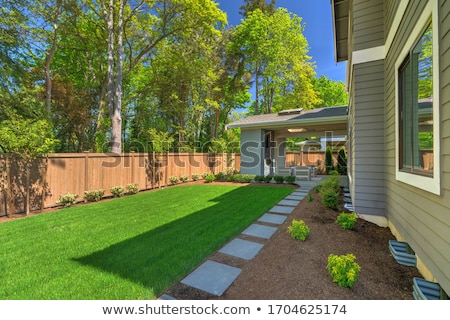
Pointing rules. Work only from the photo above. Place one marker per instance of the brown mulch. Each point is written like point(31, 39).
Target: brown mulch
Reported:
point(288, 269)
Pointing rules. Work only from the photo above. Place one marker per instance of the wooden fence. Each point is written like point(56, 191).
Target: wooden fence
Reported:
point(314, 158)
point(75, 173)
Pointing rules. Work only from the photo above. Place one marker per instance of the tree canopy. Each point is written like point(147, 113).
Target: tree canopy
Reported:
point(111, 75)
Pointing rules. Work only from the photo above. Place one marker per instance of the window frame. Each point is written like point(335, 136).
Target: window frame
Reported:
point(424, 182)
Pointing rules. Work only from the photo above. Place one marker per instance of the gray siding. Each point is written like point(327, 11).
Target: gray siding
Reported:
point(368, 142)
point(252, 152)
point(422, 218)
point(368, 26)
point(390, 8)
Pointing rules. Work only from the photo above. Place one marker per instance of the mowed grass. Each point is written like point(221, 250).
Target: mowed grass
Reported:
point(128, 248)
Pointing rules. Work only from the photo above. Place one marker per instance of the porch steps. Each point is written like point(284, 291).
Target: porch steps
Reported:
point(402, 253)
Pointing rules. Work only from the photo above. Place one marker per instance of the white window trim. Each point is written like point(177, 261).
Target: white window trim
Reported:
point(430, 184)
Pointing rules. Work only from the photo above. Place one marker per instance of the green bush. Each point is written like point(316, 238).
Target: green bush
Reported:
point(259, 178)
point(290, 179)
point(204, 174)
point(310, 197)
point(184, 178)
point(331, 182)
point(342, 162)
point(173, 180)
point(329, 162)
point(343, 269)
point(210, 178)
point(94, 195)
point(346, 220)
point(132, 188)
point(329, 198)
point(298, 230)
point(278, 179)
point(333, 173)
point(117, 191)
point(195, 177)
point(268, 179)
point(67, 199)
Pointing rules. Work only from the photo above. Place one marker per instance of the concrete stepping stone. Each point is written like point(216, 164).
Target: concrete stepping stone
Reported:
point(291, 203)
point(242, 249)
point(299, 193)
point(294, 197)
point(166, 297)
point(282, 209)
point(212, 277)
point(260, 231)
point(272, 218)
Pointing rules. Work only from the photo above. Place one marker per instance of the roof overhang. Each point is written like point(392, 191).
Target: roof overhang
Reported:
point(340, 16)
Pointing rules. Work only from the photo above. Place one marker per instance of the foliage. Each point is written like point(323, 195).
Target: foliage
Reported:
point(259, 178)
point(210, 178)
point(274, 55)
point(343, 269)
point(117, 191)
point(278, 179)
point(346, 220)
point(173, 180)
point(329, 190)
point(195, 177)
point(310, 197)
point(268, 178)
point(184, 178)
point(67, 199)
point(221, 176)
point(331, 93)
point(329, 161)
point(342, 162)
point(132, 188)
point(299, 230)
point(290, 179)
point(159, 141)
point(243, 178)
point(94, 195)
point(333, 173)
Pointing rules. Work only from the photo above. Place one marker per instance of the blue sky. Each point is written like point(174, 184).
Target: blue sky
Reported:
point(316, 14)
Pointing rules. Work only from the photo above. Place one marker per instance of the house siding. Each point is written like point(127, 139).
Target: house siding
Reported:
point(252, 152)
point(368, 142)
point(368, 27)
point(419, 217)
point(390, 8)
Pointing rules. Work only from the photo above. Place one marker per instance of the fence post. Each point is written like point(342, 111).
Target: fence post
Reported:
point(86, 171)
point(132, 167)
point(8, 187)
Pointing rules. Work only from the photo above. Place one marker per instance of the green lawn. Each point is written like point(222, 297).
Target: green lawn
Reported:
point(128, 248)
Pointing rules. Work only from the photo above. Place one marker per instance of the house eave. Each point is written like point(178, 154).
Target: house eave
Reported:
point(340, 16)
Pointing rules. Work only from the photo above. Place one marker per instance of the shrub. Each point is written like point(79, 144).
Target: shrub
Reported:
point(132, 188)
point(329, 162)
point(310, 197)
point(346, 220)
point(343, 269)
point(195, 177)
point(329, 198)
point(342, 162)
point(259, 178)
point(290, 179)
point(333, 173)
point(220, 176)
point(332, 182)
point(117, 191)
point(184, 178)
point(278, 179)
point(210, 178)
point(94, 195)
point(67, 199)
point(204, 174)
point(268, 179)
point(173, 180)
point(298, 230)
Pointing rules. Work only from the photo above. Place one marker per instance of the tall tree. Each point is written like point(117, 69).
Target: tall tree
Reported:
point(251, 5)
point(273, 50)
point(331, 93)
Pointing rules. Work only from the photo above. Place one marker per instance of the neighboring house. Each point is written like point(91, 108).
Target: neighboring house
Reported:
point(398, 77)
point(263, 137)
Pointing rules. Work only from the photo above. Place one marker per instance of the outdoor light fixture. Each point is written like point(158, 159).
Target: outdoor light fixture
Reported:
point(298, 130)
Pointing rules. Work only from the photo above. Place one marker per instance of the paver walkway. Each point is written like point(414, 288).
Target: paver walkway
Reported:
point(214, 277)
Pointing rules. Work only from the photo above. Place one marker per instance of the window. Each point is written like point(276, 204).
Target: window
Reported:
point(417, 111)
point(416, 107)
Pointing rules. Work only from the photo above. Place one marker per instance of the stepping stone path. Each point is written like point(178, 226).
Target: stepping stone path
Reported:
point(214, 277)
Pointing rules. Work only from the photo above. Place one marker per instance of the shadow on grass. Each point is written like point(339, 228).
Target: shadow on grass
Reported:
point(158, 258)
